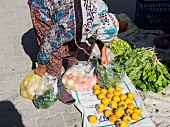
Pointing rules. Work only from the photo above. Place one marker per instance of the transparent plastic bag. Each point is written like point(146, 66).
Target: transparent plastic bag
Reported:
point(80, 77)
point(109, 75)
point(29, 85)
point(47, 92)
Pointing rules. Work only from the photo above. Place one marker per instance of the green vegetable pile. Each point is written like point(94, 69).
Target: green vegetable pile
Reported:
point(47, 99)
point(144, 69)
point(109, 76)
point(119, 46)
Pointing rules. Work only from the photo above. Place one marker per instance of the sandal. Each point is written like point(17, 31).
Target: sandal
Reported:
point(63, 98)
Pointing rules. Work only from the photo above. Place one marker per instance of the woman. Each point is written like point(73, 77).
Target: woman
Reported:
point(65, 26)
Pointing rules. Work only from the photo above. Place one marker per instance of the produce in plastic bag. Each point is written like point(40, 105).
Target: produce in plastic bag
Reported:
point(47, 92)
point(29, 85)
point(109, 75)
point(79, 77)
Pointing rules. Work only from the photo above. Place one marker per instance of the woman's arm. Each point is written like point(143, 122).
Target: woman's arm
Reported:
point(103, 57)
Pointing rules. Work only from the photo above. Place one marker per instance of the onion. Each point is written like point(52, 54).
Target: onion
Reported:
point(70, 82)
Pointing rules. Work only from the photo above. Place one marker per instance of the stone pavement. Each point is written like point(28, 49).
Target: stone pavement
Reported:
point(16, 45)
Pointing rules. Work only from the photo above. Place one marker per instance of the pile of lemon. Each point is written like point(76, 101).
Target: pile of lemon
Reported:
point(116, 106)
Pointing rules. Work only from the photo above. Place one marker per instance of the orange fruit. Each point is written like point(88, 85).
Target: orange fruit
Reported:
point(96, 86)
point(130, 95)
point(123, 97)
point(116, 93)
point(104, 91)
point(108, 112)
point(105, 101)
point(122, 123)
point(96, 91)
point(92, 118)
point(118, 88)
point(137, 110)
point(122, 104)
point(127, 118)
point(135, 116)
point(128, 100)
point(100, 107)
point(129, 111)
point(131, 106)
point(113, 104)
point(116, 98)
point(112, 118)
point(100, 96)
point(119, 112)
point(111, 89)
point(109, 95)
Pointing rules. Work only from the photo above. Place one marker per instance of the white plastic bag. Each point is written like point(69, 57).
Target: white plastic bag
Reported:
point(47, 92)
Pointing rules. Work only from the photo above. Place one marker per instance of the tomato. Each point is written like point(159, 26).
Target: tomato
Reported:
point(116, 93)
point(131, 106)
point(113, 104)
point(108, 112)
point(105, 101)
point(135, 116)
point(122, 104)
point(104, 91)
point(92, 118)
point(137, 110)
point(119, 112)
point(100, 107)
point(123, 97)
point(100, 96)
point(128, 100)
point(96, 86)
point(130, 95)
point(109, 94)
point(127, 118)
point(121, 123)
point(116, 98)
point(118, 88)
point(129, 111)
point(96, 91)
point(112, 118)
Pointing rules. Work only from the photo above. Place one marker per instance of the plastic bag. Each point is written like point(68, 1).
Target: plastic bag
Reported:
point(96, 52)
point(80, 77)
point(29, 85)
point(47, 92)
point(109, 75)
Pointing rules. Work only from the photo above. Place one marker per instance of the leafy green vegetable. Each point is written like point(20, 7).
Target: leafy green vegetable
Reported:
point(144, 69)
point(110, 75)
point(46, 100)
point(119, 46)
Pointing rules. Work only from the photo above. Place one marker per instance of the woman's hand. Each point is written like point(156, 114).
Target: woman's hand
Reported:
point(104, 60)
point(40, 70)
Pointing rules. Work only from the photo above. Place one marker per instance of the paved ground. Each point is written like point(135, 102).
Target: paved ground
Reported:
point(16, 45)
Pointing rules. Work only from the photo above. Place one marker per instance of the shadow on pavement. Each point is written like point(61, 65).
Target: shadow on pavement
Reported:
point(30, 46)
point(10, 117)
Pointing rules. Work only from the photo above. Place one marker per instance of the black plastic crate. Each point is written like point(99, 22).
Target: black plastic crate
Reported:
point(153, 14)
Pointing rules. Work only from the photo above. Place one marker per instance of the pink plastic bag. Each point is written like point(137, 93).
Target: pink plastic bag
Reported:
point(79, 78)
